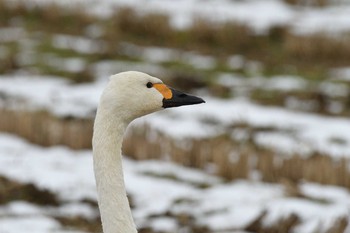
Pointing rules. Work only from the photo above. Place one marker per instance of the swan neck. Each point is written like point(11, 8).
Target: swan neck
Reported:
point(114, 206)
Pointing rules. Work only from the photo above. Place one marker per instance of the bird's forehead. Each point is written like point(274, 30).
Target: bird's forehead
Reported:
point(143, 79)
point(155, 80)
point(133, 78)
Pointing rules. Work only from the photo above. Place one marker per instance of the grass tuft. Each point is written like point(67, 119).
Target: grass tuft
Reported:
point(11, 190)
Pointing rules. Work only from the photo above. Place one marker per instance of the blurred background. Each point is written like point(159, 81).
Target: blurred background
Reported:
point(268, 152)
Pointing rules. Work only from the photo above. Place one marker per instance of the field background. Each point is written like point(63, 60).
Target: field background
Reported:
point(268, 152)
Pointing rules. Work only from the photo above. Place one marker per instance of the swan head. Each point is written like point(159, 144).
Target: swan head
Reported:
point(133, 94)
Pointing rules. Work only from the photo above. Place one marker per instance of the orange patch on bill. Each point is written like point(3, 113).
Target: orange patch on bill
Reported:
point(164, 90)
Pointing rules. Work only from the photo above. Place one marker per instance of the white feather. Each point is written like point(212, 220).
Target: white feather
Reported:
point(125, 98)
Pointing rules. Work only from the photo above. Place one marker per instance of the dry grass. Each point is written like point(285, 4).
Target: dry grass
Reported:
point(151, 28)
point(318, 48)
point(278, 50)
point(312, 99)
point(232, 159)
point(223, 38)
point(80, 223)
point(44, 129)
point(236, 159)
point(282, 225)
point(340, 226)
point(315, 54)
point(316, 168)
point(48, 18)
point(317, 3)
point(13, 191)
point(9, 64)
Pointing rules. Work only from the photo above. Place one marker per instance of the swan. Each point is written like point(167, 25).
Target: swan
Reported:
point(127, 96)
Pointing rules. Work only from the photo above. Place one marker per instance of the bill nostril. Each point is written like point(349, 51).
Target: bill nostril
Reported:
point(182, 95)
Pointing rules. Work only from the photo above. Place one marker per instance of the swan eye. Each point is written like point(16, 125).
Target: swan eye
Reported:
point(149, 85)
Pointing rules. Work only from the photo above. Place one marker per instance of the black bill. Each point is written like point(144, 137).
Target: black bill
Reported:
point(179, 99)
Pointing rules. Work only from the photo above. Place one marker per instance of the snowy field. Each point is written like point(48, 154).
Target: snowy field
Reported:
point(162, 191)
point(260, 15)
point(297, 132)
point(156, 188)
point(167, 197)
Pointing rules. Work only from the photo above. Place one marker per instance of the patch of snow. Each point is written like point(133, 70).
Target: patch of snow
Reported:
point(340, 74)
point(164, 224)
point(75, 209)
point(72, 65)
point(334, 89)
point(94, 31)
point(294, 103)
point(236, 62)
point(59, 163)
point(145, 189)
point(332, 194)
point(221, 206)
point(37, 92)
point(37, 224)
point(231, 80)
point(199, 61)
point(157, 55)
point(42, 215)
point(106, 68)
point(335, 107)
point(20, 208)
point(285, 83)
point(280, 83)
point(237, 217)
point(254, 13)
point(238, 193)
point(190, 175)
point(78, 44)
point(177, 127)
point(259, 15)
point(331, 20)
point(160, 55)
point(310, 128)
point(11, 34)
point(53, 94)
point(284, 143)
point(324, 214)
point(62, 99)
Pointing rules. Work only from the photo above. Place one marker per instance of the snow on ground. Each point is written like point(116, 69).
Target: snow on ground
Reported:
point(259, 15)
point(341, 74)
point(41, 92)
point(279, 83)
point(158, 55)
point(309, 131)
point(81, 45)
point(19, 216)
point(11, 34)
point(220, 207)
point(296, 132)
point(38, 224)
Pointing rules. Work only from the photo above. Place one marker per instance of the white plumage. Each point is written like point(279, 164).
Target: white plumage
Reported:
point(127, 96)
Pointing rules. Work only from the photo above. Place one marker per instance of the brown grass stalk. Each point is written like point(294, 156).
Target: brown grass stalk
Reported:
point(231, 159)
